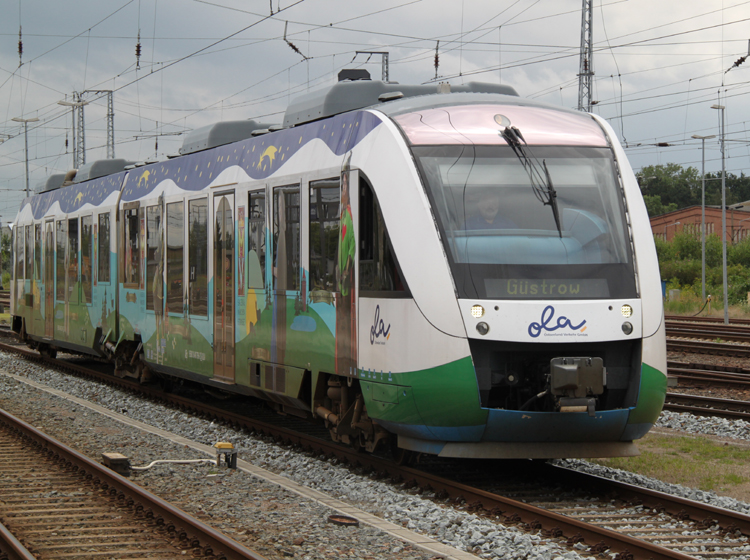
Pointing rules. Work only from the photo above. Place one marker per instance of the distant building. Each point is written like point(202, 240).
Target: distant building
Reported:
point(688, 220)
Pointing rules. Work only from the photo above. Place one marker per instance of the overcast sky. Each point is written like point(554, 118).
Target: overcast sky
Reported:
point(659, 66)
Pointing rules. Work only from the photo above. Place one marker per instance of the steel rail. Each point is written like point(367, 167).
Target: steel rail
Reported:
point(11, 548)
point(714, 348)
point(530, 516)
point(719, 320)
point(212, 542)
point(708, 406)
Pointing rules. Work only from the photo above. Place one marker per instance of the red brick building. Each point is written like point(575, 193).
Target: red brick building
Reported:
point(689, 220)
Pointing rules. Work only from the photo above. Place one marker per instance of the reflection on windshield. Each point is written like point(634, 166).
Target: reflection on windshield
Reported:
point(499, 233)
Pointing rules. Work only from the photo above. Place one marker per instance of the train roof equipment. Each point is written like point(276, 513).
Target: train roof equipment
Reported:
point(50, 183)
point(221, 133)
point(351, 94)
point(100, 168)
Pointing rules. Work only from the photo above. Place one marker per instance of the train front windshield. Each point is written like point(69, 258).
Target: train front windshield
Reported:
point(506, 239)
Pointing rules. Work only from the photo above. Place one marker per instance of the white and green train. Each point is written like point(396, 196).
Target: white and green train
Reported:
point(465, 273)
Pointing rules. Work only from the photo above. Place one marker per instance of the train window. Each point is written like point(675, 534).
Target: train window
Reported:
point(86, 255)
point(38, 251)
point(175, 260)
point(198, 257)
point(103, 263)
point(132, 247)
point(18, 244)
point(154, 258)
point(29, 272)
point(62, 240)
point(325, 198)
point(72, 260)
point(379, 273)
point(286, 238)
point(256, 240)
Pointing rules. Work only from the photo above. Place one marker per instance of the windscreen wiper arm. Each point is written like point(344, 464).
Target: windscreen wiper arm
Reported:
point(540, 183)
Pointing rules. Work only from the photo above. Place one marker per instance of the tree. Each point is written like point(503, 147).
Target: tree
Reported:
point(5, 262)
point(669, 187)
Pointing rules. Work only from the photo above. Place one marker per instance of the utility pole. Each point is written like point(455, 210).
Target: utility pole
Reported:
point(110, 120)
point(703, 211)
point(723, 217)
point(26, 144)
point(79, 158)
point(384, 56)
point(586, 60)
point(80, 139)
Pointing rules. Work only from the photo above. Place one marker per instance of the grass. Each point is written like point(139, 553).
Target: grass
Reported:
point(697, 462)
point(4, 318)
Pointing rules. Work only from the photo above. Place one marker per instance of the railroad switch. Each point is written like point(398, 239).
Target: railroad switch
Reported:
point(117, 462)
point(228, 451)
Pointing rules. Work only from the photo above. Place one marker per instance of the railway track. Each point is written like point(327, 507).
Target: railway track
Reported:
point(604, 515)
point(704, 376)
point(711, 348)
point(56, 503)
point(708, 406)
point(718, 320)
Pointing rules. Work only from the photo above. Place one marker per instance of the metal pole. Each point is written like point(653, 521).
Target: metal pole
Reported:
point(703, 211)
point(26, 151)
point(723, 218)
point(26, 144)
point(724, 223)
point(703, 219)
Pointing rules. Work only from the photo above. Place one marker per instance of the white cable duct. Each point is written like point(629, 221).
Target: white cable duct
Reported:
point(173, 462)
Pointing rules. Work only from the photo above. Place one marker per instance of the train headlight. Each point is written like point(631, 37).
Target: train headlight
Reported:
point(626, 311)
point(477, 311)
point(483, 328)
point(627, 328)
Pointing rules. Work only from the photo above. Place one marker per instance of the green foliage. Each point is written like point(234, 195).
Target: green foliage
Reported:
point(6, 280)
point(5, 253)
point(669, 187)
point(655, 206)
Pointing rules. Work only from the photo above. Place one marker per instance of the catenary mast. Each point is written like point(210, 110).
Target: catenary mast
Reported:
point(586, 63)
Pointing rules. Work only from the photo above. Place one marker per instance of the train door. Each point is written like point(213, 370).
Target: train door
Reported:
point(224, 287)
point(49, 279)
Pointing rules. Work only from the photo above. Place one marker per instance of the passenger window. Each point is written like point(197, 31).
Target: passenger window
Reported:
point(378, 270)
point(154, 255)
point(324, 233)
point(198, 256)
point(86, 250)
point(175, 260)
point(29, 274)
point(286, 237)
point(256, 241)
point(73, 260)
point(104, 248)
point(132, 240)
point(38, 252)
point(62, 239)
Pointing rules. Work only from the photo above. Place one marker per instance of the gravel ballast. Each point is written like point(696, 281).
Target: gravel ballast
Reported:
point(260, 515)
point(275, 522)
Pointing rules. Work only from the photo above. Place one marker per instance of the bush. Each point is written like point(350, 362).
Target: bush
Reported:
point(681, 272)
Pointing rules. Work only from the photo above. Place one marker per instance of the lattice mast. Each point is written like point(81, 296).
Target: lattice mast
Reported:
point(586, 63)
point(79, 140)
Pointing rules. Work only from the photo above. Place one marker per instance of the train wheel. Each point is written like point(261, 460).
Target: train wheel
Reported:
point(48, 352)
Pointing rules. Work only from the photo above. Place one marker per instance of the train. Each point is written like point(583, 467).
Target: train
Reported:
point(451, 270)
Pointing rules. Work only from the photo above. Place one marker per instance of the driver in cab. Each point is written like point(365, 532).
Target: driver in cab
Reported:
point(488, 215)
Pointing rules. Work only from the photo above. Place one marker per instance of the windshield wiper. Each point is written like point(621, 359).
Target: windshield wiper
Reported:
point(540, 183)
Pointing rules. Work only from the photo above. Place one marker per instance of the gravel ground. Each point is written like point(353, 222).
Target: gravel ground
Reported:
point(275, 522)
